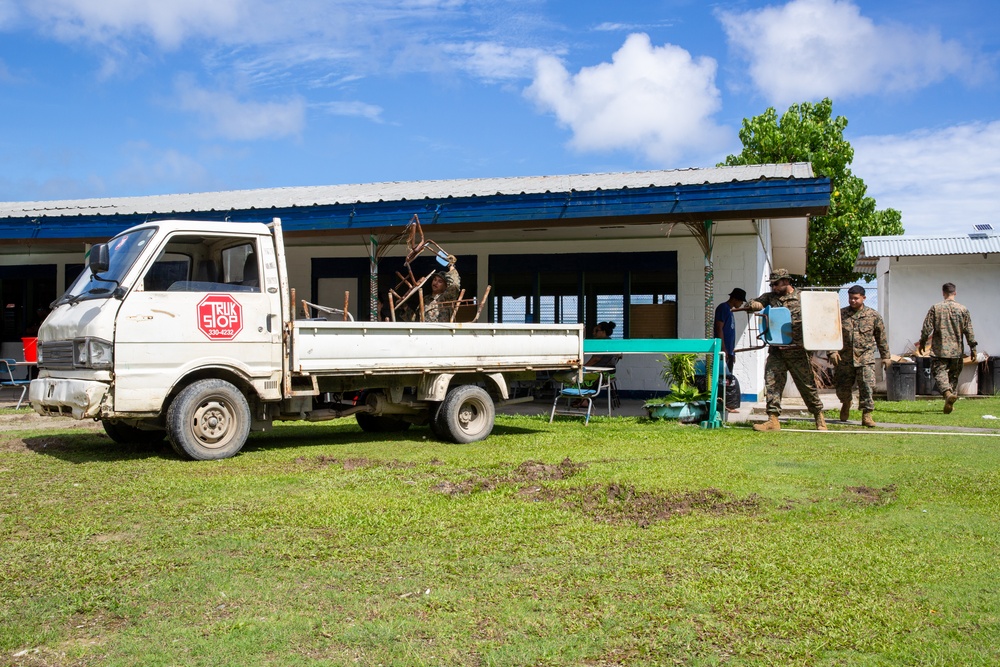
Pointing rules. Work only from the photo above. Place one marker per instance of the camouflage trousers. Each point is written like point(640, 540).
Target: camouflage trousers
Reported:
point(946, 372)
point(794, 362)
point(845, 375)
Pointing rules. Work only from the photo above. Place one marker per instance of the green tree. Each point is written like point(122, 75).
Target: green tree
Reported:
point(808, 132)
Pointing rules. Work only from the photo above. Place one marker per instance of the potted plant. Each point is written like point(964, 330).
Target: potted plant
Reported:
point(686, 402)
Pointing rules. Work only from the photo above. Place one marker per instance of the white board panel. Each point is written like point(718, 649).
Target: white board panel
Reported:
point(821, 321)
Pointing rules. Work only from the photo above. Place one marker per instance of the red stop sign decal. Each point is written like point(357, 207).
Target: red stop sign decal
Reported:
point(220, 316)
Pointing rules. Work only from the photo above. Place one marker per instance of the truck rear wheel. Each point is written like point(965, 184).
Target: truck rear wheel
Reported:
point(210, 419)
point(126, 434)
point(370, 423)
point(434, 420)
point(467, 414)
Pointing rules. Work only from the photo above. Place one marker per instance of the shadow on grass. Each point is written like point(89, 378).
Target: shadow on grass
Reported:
point(95, 447)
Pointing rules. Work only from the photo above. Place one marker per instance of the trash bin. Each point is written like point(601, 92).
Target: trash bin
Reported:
point(30, 345)
point(926, 385)
point(989, 377)
point(901, 383)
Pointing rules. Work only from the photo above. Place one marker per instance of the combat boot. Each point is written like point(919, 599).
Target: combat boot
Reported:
point(866, 419)
point(820, 422)
point(770, 425)
point(949, 401)
point(845, 412)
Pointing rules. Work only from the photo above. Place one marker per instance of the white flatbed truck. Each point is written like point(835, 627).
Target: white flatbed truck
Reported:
point(184, 329)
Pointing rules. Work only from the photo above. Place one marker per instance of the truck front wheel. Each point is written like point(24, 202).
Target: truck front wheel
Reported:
point(126, 434)
point(466, 415)
point(209, 419)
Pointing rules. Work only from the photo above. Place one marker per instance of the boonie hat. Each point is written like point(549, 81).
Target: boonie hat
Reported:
point(739, 294)
point(780, 274)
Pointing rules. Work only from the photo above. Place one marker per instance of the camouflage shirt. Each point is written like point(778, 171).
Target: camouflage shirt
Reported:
point(945, 324)
point(436, 308)
point(789, 301)
point(863, 331)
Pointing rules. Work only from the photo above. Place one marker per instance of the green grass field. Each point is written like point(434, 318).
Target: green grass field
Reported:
point(627, 542)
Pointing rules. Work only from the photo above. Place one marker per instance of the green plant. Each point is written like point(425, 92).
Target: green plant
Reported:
point(678, 368)
point(678, 372)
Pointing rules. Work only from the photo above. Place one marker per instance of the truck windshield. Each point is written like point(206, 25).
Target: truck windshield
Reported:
point(122, 253)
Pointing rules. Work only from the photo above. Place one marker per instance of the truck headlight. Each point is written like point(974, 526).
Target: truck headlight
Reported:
point(92, 353)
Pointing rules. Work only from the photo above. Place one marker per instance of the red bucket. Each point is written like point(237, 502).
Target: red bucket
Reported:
point(30, 349)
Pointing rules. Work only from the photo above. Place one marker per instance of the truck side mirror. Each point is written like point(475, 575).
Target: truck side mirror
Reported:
point(99, 261)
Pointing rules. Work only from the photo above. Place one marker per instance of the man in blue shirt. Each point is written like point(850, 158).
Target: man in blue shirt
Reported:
point(725, 325)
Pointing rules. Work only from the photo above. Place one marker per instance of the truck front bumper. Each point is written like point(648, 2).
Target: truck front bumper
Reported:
point(63, 396)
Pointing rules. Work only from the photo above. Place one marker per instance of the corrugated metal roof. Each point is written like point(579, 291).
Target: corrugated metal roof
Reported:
point(293, 197)
point(874, 247)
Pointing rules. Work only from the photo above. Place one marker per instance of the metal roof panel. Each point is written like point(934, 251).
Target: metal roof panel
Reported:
point(874, 247)
point(294, 197)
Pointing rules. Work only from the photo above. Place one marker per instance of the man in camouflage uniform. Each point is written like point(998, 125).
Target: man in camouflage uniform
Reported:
point(945, 324)
point(793, 359)
point(445, 288)
point(863, 331)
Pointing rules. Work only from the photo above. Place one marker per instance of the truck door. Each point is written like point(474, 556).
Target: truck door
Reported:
point(206, 301)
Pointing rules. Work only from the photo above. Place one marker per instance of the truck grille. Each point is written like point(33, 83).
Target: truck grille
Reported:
point(56, 354)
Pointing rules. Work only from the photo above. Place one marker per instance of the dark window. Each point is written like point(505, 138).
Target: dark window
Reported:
point(580, 287)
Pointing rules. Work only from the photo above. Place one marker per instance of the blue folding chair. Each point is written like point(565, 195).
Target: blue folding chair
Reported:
point(7, 379)
point(579, 396)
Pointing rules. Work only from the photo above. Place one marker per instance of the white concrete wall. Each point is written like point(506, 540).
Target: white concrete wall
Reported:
point(740, 262)
point(909, 286)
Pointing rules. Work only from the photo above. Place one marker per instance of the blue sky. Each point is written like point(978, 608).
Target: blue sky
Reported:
point(110, 98)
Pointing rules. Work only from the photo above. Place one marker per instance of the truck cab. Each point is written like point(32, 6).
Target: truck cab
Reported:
point(148, 317)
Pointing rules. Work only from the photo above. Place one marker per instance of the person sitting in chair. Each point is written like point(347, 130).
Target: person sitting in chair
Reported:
point(602, 330)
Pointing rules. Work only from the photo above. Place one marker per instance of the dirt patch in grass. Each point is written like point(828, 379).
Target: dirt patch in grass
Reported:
point(323, 461)
point(867, 495)
point(620, 504)
point(528, 472)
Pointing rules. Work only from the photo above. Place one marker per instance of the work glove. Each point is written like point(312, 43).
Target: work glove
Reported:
point(886, 363)
point(834, 358)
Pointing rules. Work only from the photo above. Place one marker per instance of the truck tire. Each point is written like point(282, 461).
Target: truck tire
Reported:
point(209, 419)
point(434, 420)
point(370, 423)
point(126, 434)
point(466, 414)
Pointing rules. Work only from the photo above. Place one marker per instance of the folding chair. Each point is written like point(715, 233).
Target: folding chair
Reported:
point(7, 379)
point(575, 392)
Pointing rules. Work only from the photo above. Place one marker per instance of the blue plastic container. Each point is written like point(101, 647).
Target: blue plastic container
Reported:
point(776, 326)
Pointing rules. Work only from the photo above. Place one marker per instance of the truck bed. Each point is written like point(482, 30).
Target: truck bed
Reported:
point(356, 348)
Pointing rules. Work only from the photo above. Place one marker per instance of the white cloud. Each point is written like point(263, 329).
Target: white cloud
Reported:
point(495, 62)
point(809, 49)
point(167, 22)
point(149, 167)
point(942, 180)
point(231, 118)
point(360, 109)
point(656, 101)
point(5, 73)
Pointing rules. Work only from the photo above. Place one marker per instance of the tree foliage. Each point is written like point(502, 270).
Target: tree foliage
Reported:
point(808, 132)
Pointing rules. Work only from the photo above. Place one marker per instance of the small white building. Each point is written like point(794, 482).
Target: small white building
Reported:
point(910, 271)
